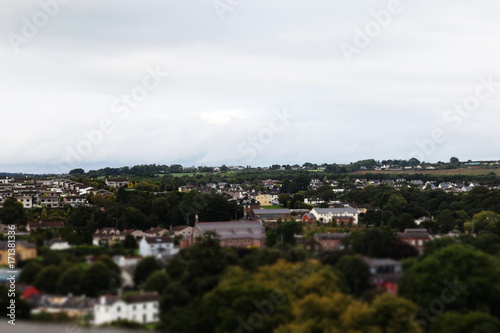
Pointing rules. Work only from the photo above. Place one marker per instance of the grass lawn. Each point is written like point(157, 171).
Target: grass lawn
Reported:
point(473, 171)
point(272, 207)
point(190, 174)
point(83, 265)
point(193, 174)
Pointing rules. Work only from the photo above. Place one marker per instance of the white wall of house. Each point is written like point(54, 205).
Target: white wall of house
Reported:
point(327, 216)
point(60, 246)
point(144, 313)
point(123, 261)
point(26, 201)
point(147, 249)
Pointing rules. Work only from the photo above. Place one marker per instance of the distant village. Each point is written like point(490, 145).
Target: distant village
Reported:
point(262, 211)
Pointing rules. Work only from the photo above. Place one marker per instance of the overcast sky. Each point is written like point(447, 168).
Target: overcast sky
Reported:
point(249, 82)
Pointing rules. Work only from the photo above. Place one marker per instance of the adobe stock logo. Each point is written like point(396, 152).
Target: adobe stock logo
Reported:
point(372, 29)
point(223, 6)
point(31, 27)
point(265, 136)
point(122, 107)
point(455, 116)
point(424, 316)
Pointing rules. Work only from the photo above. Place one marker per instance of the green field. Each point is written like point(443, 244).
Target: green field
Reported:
point(272, 207)
point(194, 174)
point(462, 171)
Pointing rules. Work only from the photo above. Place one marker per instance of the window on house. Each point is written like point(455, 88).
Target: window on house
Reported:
point(118, 309)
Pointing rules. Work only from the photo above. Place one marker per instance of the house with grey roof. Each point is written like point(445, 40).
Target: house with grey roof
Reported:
point(57, 244)
point(271, 214)
point(233, 233)
point(339, 215)
point(117, 182)
point(73, 306)
point(157, 246)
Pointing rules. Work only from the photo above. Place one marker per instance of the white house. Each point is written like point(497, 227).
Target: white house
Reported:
point(422, 219)
point(153, 246)
point(140, 308)
point(26, 201)
point(123, 261)
point(85, 191)
point(58, 244)
point(339, 214)
point(5, 180)
point(117, 182)
point(75, 201)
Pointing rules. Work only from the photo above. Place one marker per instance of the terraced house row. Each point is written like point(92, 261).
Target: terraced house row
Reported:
point(49, 193)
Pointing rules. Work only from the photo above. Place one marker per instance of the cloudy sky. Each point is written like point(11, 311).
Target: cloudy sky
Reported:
point(87, 83)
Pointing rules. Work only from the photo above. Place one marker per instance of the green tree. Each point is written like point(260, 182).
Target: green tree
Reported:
point(374, 242)
point(356, 274)
point(437, 244)
point(193, 272)
point(471, 278)
point(70, 281)
point(396, 203)
point(454, 162)
point(322, 312)
point(283, 233)
point(144, 269)
point(472, 322)
point(76, 172)
point(113, 267)
point(99, 279)
point(393, 314)
point(260, 257)
point(12, 211)
point(29, 272)
point(87, 237)
point(485, 220)
point(446, 221)
point(46, 280)
point(488, 243)
point(73, 238)
point(157, 281)
point(273, 290)
point(130, 242)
